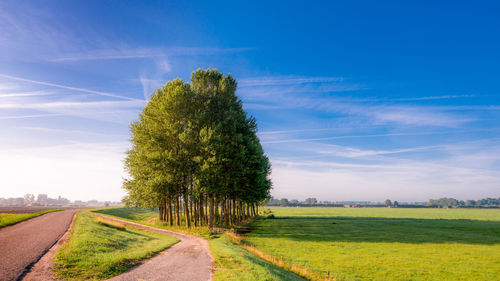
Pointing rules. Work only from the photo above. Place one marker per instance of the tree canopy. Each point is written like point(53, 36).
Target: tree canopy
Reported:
point(195, 149)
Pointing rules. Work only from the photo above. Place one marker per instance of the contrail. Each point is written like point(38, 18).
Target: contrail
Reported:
point(67, 87)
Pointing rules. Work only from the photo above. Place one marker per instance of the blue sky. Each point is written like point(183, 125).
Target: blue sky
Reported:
point(355, 100)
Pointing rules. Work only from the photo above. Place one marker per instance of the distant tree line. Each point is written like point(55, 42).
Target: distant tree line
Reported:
point(451, 202)
point(432, 203)
point(309, 202)
point(196, 156)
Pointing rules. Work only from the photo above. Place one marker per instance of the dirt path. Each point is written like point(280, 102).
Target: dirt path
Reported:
point(23, 244)
point(188, 260)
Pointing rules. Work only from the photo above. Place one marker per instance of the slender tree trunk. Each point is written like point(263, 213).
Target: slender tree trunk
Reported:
point(195, 213)
point(234, 213)
point(226, 213)
point(160, 213)
point(170, 215)
point(177, 213)
point(200, 211)
point(211, 215)
point(216, 212)
point(221, 221)
point(186, 211)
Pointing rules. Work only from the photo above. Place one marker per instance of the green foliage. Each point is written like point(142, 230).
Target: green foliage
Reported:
point(193, 141)
point(97, 251)
point(235, 263)
point(10, 219)
point(384, 244)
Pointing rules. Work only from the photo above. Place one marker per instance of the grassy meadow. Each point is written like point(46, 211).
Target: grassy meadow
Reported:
point(99, 249)
point(10, 219)
point(382, 243)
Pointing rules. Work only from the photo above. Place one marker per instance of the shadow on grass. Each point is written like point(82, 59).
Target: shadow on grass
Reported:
point(370, 229)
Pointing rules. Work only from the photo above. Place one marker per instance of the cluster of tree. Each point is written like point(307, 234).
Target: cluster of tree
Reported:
point(29, 200)
point(451, 202)
point(389, 203)
point(196, 156)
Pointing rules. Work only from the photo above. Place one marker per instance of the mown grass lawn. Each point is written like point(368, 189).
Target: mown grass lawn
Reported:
point(10, 219)
point(385, 244)
point(98, 250)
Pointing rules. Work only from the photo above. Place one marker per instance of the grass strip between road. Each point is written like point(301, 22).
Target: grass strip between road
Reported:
point(99, 249)
point(150, 218)
point(10, 219)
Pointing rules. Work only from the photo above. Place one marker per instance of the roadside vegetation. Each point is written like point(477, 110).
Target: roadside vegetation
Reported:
point(382, 244)
point(150, 217)
point(232, 262)
point(10, 219)
point(99, 249)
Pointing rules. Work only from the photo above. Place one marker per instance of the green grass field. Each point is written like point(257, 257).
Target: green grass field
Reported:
point(384, 244)
point(10, 219)
point(150, 217)
point(99, 249)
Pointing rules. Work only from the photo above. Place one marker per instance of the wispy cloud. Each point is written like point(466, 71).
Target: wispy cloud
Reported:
point(66, 87)
point(285, 80)
point(467, 170)
point(75, 105)
point(299, 140)
point(143, 53)
point(28, 94)
point(30, 116)
point(433, 98)
point(328, 95)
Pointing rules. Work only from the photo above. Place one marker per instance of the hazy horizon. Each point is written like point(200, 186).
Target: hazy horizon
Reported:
point(354, 101)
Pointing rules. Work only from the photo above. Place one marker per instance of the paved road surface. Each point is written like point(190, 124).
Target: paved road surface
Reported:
point(188, 260)
point(22, 244)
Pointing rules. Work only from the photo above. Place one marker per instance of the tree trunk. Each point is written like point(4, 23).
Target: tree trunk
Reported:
point(186, 211)
point(177, 213)
point(160, 213)
point(170, 215)
point(221, 220)
point(226, 213)
point(195, 213)
point(211, 215)
point(201, 213)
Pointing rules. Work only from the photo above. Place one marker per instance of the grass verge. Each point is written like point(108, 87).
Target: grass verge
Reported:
point(100, 249)
point(150, 217)
point(10, 219)
point(232, 262)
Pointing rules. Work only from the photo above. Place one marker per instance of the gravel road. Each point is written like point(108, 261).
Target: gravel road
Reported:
point(188, 260)
point(23, 244)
